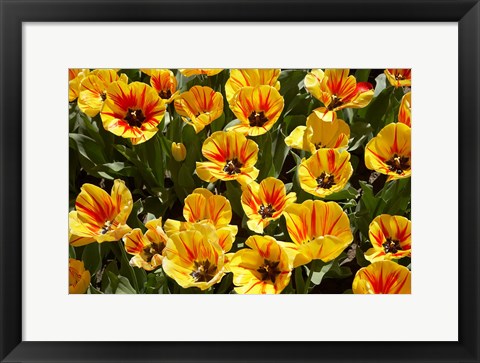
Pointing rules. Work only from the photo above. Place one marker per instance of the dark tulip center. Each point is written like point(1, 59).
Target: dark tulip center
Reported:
point(204, 271)
point(135, 118)
point(269, 270)
point(257, 119)
point(391, 245)
point(266, 211)
point(398, 164)
point(165, 94)
point(326, 180)
point(232, 166)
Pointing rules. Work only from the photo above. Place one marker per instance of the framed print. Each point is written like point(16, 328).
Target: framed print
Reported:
point(234, 180)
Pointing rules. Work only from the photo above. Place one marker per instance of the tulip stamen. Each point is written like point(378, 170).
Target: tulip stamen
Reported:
point(204, 271)
point(319, 145)
point(336, 102)
point(398, 164)
point(232, 166)
point(165, 94)
point(391, 245)
point(103, 95)
point(106, 227)
point(257, 119)
point(266, 211)
point(269, 270)
point(135, 118)
point(152, 250)
point(326, 180)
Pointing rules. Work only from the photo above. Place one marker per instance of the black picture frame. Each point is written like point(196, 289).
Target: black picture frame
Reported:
point(15, 12)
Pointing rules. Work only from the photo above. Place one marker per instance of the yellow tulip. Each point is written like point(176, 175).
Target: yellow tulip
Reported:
point(98, 216)
point(199, 106)
point(263, 269)
point(240, 78)
point(319, 231)
point(389, 152)
point(265, 202)
point(405, 110)
point(399, 77)
point(326, 172)
point(337, 90)
point(382, 277)
point(179, 151)
point(257, 108)
point(147, 249)
point(390, 237)
point(78, 277)
point(194, 258)
point(231, 156)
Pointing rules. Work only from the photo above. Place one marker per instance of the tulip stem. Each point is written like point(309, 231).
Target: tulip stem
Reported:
point(309, 279)
point(132, 272)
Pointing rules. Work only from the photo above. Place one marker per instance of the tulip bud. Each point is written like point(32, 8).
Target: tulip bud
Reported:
point(179, 151)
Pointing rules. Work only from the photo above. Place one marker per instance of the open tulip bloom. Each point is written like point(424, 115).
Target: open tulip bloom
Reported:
point(319, 231)
point(240, 78)
point(199, 106)
point(265, 202)
point(132, 111)
point(239, 181)
point(318, 134)
point(99, 217)
point(337, 90)
point(399, 77)
point(263, 269)
point(257, 108)
point(389, 152)
point(147, 249)
point(326, 172)
point(230, 155)
point(383, 277)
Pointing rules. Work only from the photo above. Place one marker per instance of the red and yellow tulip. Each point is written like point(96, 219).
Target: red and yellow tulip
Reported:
point(93, 90)
point(257, 109)
point(199, 106)
point(399, 77)
point(262, 269)
point(147, 249)
point(100, 217)
point(240, 78)
point(390, 237)
point(75, 77)
point(319, 231)
point(132, 111)
point(326, 172)
point(389, 152)
point(230, 155)
point(337, 90)
point(405, 110)
point(202, 206)
point(188, 72)
point(265, 202)
point(318, 134)
point(194, 258)
point(164, 82)
point(78, 277)
point(382, 277)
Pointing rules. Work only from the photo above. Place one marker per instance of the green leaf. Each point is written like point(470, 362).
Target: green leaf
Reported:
point(88, 148)
point(347, 193)
point(91, 257)
point(380, 84)
point(225, 285)
point(234, 194)
point(71, 252)
point(320, 270)
point(378, 108)
point(361, 75)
